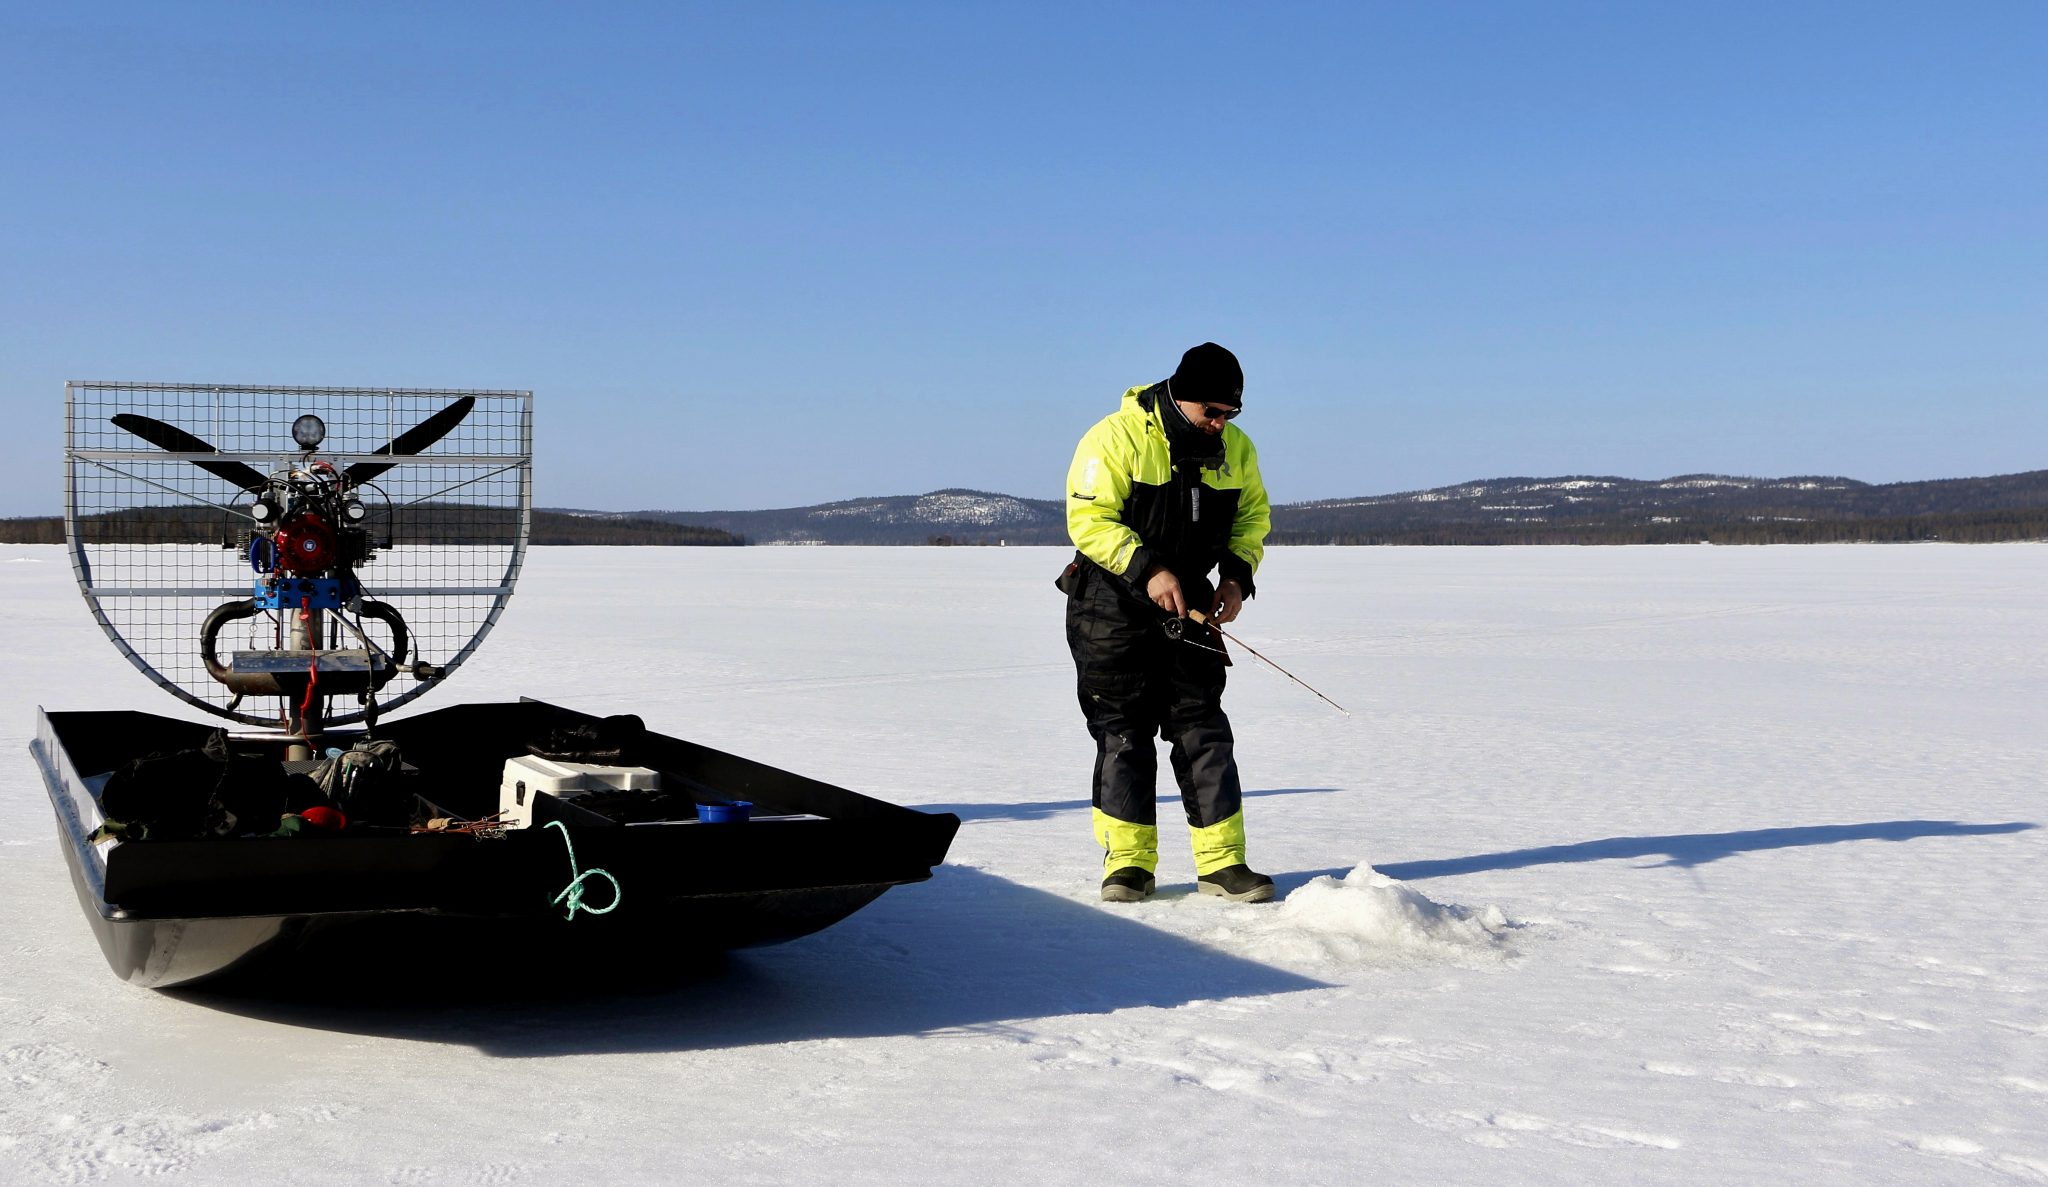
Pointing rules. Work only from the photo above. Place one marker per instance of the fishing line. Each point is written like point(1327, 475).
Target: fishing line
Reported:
point(1205, 620)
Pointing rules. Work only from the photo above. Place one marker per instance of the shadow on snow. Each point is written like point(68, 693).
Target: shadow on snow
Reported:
point(1685, 850)
point(966, 951)
point(1043, 809)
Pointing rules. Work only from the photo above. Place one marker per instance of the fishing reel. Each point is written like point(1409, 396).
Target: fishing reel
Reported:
point(1196, 632)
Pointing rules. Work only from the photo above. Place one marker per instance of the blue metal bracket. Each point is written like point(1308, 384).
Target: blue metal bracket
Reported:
point(294, 593)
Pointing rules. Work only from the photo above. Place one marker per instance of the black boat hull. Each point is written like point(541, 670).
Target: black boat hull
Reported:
point(172, 912)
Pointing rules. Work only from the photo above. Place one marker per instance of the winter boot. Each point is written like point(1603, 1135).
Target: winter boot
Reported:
point(1237, 883)
point(1131, 884)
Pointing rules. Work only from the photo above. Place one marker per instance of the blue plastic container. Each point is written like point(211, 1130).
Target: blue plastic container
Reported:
point(725, 812)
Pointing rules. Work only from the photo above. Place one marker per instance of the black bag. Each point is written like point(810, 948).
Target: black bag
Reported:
point(213, 791)
point(368, 782)
point(1069, 577)
point(613, 740)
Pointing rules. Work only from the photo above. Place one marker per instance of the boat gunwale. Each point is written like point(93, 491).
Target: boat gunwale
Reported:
point(72, 800)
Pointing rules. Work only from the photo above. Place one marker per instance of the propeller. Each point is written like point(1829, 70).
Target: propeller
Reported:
point(413, 439)
point(173, 439)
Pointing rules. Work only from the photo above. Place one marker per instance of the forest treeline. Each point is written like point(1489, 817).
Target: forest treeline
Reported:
point(206, 526)
point(1571, 510)
point(445, 524)
point(1988, 527)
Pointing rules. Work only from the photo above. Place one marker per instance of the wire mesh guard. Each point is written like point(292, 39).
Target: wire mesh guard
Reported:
point(160, 516)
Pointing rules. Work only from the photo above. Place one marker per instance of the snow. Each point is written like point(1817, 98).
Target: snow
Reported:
point(1702, 483)
point(971, 509)
point(1336, 503)
point(838, 510)
point(1445, 494)
point(939, 507)
point(1632, 865)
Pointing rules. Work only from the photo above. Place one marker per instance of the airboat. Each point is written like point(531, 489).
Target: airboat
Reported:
point(300, 565)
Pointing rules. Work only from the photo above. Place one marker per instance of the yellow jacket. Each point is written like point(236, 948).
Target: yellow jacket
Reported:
point(1127, 509)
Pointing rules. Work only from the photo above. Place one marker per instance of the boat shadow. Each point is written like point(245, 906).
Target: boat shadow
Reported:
point(1042, 809)
point(968, 951)
point(1684, 850)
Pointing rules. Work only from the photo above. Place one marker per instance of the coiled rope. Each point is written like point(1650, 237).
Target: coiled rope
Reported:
point(573, 892)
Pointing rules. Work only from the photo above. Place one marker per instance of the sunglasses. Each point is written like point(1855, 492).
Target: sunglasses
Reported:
point(1213, 412)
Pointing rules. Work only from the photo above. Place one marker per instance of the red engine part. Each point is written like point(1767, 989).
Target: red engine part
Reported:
point(306, 545)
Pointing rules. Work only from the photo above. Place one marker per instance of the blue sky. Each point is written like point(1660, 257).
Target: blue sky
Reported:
point(766, 254)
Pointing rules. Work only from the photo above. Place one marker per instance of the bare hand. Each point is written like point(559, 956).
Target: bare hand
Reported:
point(1164, 590)
point(1229, 601)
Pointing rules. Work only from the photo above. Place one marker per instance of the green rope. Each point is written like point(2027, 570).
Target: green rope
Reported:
point(573, 892)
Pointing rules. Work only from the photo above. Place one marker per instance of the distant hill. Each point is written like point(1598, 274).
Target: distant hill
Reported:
point(941, 517)
point(1692, 507)
point(1567, 510)
point(554, 527)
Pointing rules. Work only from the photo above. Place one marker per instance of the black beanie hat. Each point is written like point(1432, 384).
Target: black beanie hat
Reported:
point(1209, 374)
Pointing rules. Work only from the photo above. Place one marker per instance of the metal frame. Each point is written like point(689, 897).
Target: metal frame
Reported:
point(86, 457)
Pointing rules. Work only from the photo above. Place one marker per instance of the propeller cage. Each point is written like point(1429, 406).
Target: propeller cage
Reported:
point(163, 485)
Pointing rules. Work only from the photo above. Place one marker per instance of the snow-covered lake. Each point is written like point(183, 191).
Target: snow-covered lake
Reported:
point(1700, 865)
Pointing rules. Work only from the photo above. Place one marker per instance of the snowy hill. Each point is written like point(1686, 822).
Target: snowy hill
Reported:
point(1570, 509)
point(1594, 509)
point(942, 516)
point(1564, 510)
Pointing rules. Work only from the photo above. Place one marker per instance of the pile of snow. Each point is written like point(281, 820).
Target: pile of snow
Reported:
point(1365, 918)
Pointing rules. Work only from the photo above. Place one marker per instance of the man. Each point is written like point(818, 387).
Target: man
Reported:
point(1163, 491)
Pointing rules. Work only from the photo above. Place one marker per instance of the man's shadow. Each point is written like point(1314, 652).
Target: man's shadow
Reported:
point(1042, 809)
point(1684, 850)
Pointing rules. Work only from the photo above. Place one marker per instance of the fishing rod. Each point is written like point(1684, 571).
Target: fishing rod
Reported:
point(1213, 625)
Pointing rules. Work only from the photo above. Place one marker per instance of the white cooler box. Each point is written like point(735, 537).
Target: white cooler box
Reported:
point(527, 777)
